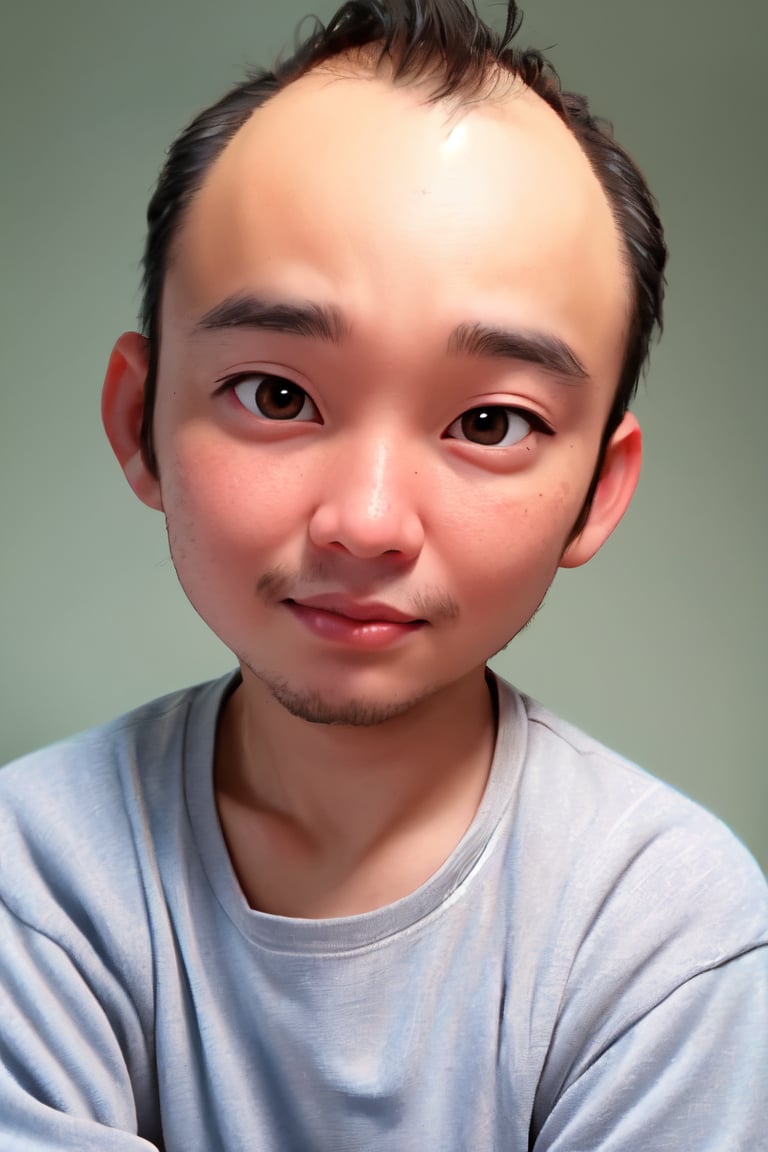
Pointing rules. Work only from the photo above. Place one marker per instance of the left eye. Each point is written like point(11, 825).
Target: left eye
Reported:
point(274, 398)
point(494, 426)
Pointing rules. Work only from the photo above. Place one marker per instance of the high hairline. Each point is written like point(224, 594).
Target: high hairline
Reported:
point(427, 75)
point(441, 45)
point(445, 47)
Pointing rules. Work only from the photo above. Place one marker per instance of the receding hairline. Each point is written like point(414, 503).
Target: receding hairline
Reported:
point(461, 51)
point(494, 84)
point(366, 63)
point(489, 80)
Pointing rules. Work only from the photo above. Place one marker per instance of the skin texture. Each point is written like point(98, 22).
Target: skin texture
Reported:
point(355, 753)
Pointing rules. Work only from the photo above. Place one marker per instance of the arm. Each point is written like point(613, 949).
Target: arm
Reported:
point(690, 1076)
point(72, 1051)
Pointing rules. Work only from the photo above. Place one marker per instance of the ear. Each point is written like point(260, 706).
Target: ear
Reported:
point(618, 480)
point(122, 409)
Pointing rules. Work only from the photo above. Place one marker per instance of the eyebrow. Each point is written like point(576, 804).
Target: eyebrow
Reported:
point(324, 322)
point(297, 319)
point(540, 348)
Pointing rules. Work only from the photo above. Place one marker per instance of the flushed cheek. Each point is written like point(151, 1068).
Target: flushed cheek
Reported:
point(219, 511)
point(524, 524)
point(519, 568)
point(513, 559)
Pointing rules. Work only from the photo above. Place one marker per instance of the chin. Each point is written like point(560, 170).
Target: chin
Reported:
point(317, 706)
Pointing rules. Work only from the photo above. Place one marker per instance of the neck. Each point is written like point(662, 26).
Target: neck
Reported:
point(329, 820)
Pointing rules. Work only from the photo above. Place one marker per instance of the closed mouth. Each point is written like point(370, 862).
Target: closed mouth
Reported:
point(363, 611)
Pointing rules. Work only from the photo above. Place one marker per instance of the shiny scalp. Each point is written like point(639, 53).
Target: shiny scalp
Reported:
point(448, 45)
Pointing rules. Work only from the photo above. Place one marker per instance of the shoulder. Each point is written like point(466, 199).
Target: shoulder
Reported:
point(598, 805)
point(142, 736)
point(76, 817)
point(73, 780)
point(629, 892)
point(641, 877)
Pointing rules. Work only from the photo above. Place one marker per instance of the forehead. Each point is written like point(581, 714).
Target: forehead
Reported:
point(354, 191)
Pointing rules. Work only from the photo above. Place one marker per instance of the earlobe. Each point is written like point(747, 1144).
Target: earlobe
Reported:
point(122, 408)
point(618, 479)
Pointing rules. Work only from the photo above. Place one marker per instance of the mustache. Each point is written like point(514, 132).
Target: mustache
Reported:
point(281, 583)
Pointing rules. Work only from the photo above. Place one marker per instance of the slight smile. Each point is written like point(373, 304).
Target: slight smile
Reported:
point(360, 624)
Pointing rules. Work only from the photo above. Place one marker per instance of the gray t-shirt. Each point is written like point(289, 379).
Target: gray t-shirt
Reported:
point(588, 970)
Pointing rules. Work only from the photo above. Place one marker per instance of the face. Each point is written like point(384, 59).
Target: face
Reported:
point(391, 334)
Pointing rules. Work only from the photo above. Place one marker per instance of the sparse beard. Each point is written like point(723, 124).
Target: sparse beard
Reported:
point(315, 708)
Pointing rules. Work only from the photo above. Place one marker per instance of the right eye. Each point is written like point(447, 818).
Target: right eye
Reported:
point(273, 397)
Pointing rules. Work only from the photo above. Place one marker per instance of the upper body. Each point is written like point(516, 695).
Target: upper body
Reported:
point(591, 927)
point(397, 298)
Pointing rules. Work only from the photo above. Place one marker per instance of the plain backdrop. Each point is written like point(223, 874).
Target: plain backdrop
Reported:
point(658, 647)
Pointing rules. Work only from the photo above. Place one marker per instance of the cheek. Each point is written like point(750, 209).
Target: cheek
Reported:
point(519, 531)
point(220, 502)
point(505, 575)
point(507, 558)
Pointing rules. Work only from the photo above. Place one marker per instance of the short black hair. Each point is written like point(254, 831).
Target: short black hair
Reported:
point(446, 43)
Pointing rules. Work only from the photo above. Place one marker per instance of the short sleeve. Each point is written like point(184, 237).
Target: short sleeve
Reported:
point(691, 1074)
point(64, 1078)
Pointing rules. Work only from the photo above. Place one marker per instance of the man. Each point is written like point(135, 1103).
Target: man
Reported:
point(362, 894)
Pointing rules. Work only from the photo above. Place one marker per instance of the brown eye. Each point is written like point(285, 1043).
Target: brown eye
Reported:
point(494, 426)
point(274, 398)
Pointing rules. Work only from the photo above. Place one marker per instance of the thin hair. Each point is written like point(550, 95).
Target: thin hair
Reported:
point(445, 44)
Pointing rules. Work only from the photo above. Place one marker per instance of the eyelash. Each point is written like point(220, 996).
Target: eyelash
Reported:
point(291, 389)
point(511, 413)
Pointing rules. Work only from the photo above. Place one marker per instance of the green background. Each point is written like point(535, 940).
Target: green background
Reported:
point(658, 647)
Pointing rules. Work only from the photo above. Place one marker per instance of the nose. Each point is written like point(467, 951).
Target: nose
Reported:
point(367, 501)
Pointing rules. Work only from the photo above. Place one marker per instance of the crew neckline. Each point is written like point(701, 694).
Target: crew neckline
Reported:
point(367, 929)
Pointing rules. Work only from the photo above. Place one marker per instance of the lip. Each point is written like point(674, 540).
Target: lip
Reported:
point(363, 626)
point(361, 611)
